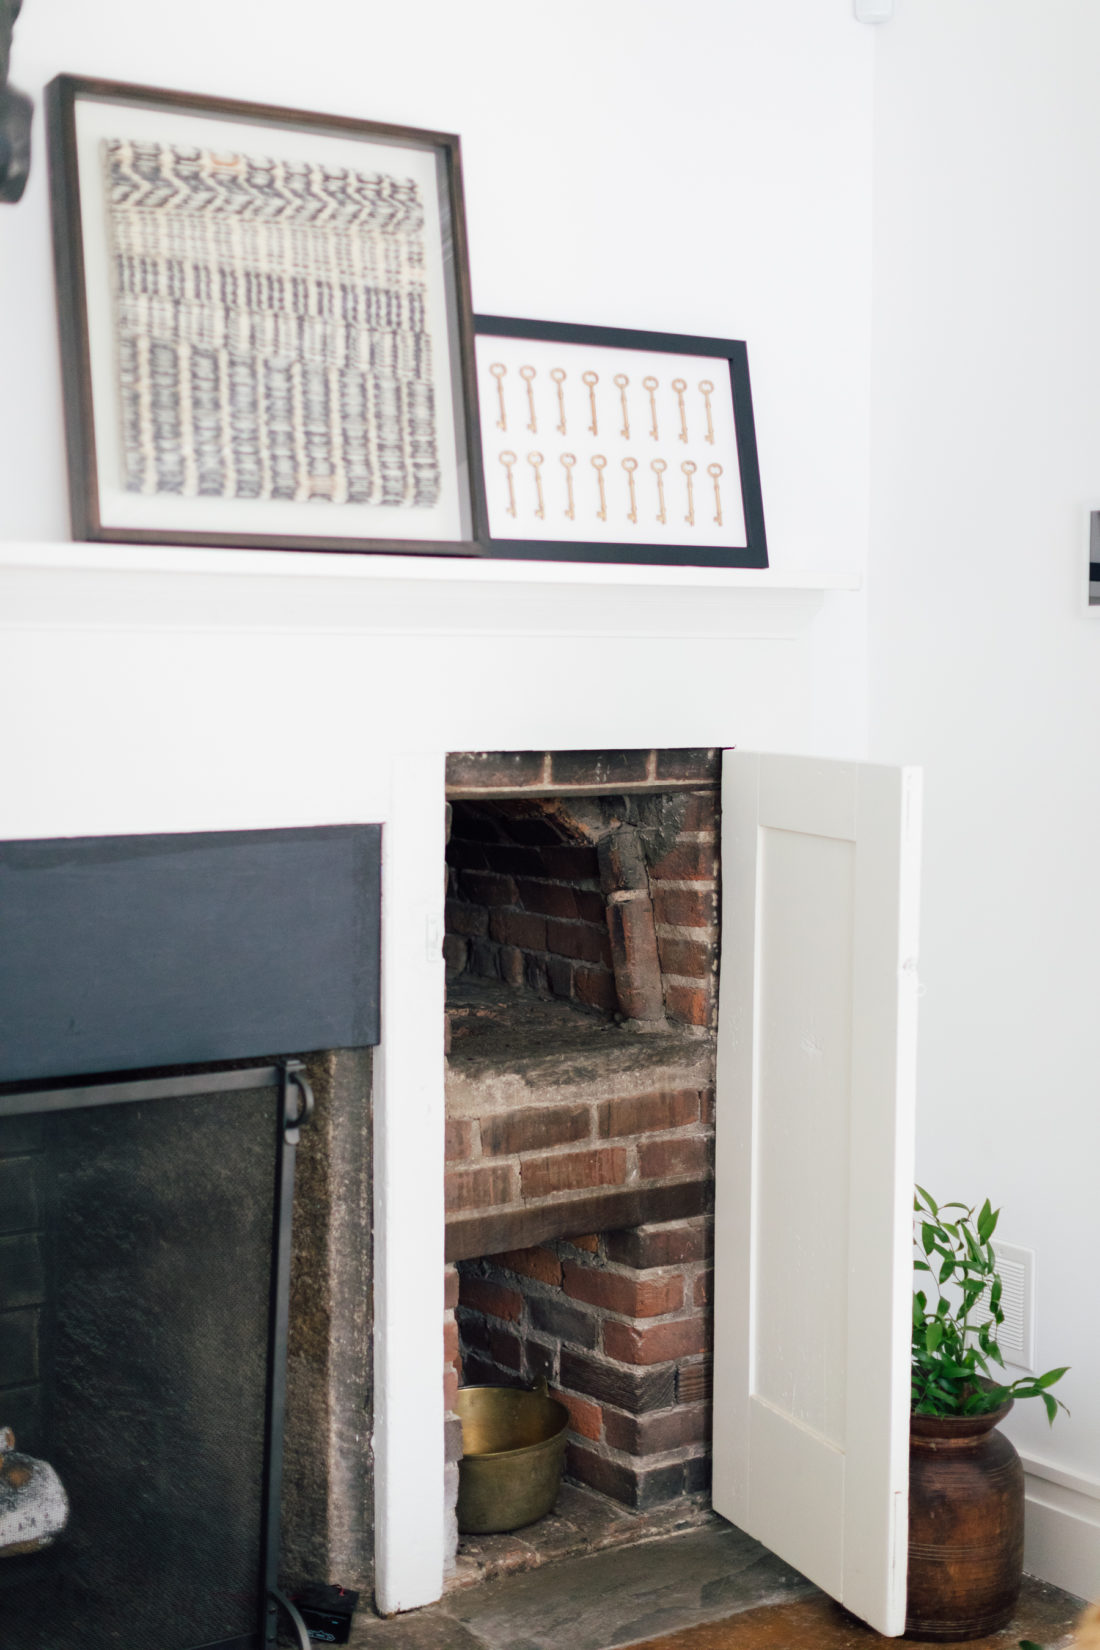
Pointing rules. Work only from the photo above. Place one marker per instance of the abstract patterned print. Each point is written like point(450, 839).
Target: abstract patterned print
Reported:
point(272, 340)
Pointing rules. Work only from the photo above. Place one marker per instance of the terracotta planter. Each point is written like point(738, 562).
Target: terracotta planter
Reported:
point(966, 1527)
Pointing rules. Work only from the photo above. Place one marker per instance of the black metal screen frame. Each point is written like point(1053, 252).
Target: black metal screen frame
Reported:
point(296, 1109)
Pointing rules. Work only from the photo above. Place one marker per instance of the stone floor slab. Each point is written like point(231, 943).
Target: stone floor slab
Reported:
point(429, 1629)
point(619, 1597)
point(1045, 1615)
point(704, 1589)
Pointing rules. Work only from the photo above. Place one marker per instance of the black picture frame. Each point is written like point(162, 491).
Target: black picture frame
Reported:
point(730, 356)
point(104, 453)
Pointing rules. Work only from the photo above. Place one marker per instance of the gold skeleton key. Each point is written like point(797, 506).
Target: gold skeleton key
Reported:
point(498, 369)
point(568, 460)
point(558, 375)
point(688, 468)
point(708, 390)
point(591, 379)
point(527, 374)
point(714, 471)
point(535, 461)
point(680, 385)
point(621, 381)
point(508, 459)
point(651, 384)
point(658, 466)
point(630, 465)
point(598, 463)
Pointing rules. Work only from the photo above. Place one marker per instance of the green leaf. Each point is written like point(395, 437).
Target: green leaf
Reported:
point(1028, 1644)
point(933, 1335)
point(1050, 1377)
point(928, 1201)
point(946, 1270)
point(1051, 1403)
point(987, 1222)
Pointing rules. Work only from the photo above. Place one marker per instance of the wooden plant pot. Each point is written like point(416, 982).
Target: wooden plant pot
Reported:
point(966, 1527)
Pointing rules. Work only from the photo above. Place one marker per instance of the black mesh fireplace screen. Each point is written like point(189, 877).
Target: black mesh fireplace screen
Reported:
point(144, 1236)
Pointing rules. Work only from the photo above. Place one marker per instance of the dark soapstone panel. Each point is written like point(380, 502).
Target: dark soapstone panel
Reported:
point(123, 953)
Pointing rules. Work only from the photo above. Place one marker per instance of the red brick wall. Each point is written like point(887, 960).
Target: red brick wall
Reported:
point(511, 1159)
point(619, 1326)
point(525, 903)
point(530, 913)
point(684, 885)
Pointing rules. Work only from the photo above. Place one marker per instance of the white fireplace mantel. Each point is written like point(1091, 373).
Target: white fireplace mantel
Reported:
point(174, 690)
point(83, 586)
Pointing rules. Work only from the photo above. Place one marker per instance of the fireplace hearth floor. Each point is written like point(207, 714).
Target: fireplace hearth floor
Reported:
point(597, 1600)
point(711, 1588)
point(583, 1521)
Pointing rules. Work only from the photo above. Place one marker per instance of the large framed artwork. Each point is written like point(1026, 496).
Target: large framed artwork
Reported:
point(602, 444)
point(266, 326)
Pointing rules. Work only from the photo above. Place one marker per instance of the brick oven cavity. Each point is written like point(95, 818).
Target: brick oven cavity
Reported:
point(582, 957)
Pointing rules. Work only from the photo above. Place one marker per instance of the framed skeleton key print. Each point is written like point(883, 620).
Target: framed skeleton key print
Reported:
point(603, 444)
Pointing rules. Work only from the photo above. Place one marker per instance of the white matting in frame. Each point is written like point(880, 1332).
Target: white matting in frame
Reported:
point(588, 440)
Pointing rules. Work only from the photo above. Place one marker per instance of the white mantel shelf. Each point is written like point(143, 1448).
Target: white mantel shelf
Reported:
point(82, 586)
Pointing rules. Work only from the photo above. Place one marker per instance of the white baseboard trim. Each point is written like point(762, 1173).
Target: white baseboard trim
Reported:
point(1062, 1528)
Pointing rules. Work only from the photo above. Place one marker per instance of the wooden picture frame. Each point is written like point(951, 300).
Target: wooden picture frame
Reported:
point(605, 444)
point(266, 326)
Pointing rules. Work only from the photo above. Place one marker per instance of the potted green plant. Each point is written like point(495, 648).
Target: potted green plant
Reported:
point(966, 1484)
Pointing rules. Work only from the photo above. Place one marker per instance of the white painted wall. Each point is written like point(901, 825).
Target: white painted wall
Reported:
point(701, 167)
point(986, 458)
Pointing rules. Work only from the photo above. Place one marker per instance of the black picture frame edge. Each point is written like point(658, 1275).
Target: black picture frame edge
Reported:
point(61, 96)
point(72, 312)
point(735, 351)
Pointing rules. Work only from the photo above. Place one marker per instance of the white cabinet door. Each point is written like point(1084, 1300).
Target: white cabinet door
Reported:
point(816, 1078)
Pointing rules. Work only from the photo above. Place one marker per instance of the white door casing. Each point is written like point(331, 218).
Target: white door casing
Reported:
point(814, 1172)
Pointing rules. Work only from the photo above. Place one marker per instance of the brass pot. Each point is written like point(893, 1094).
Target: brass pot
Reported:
point(513, 1445)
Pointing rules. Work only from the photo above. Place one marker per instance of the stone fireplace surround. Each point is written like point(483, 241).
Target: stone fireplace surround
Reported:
point(233, 689)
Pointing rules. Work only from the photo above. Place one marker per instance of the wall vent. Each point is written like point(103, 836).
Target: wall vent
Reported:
point(1017, 1337)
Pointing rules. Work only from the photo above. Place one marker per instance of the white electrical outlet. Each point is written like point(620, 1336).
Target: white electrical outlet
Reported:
point(874, 11)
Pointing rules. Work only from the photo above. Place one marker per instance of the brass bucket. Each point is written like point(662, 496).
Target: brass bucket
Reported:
point(513, 1449)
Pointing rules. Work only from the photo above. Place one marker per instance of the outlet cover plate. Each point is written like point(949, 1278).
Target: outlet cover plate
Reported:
point(874, 11)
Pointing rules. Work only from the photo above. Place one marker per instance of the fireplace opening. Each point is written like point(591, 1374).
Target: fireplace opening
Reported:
point(134, 1367)
point(582, 960)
